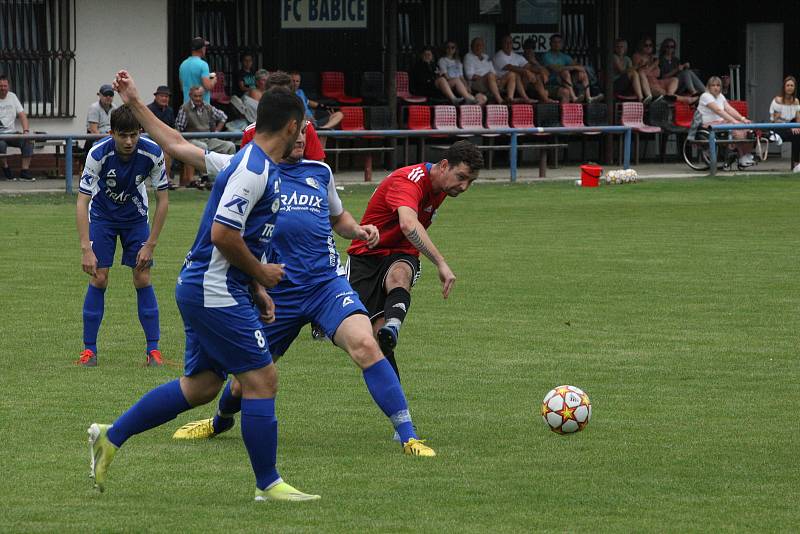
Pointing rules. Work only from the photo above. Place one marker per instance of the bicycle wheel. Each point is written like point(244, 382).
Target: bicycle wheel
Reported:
point(697, 155)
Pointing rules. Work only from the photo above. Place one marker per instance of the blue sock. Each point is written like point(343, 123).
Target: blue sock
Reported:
point(387, 393)
point(148, 315)
point(260, 434)
point(155, 408)
point(93, 306)
point(228, 407)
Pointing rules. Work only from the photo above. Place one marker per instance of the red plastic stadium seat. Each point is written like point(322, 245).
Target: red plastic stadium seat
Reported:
point(633, 116)
point(740, 106)
point(522, 116)
point(445, 118)
point(353, 118)
point(218, 93)
point(572, 115)
point(401, 79)
point(419, 118)
point(333, 88)
point(470, 116)
point(683, 114)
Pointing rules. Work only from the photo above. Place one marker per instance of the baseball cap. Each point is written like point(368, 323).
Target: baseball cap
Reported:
point(199, 42)
point(162, 90)
point(106, 90)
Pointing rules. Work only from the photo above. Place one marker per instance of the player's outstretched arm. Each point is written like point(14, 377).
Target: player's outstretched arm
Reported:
point(418, 236)
point(230, 242)
point(167, 138)
point(346, 226)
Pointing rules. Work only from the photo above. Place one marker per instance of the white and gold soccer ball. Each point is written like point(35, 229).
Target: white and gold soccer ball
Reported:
point(566, 409)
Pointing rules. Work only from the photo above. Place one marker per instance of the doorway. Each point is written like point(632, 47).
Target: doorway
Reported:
point(764, 67)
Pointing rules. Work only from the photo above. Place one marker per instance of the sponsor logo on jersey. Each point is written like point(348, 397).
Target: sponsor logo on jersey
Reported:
point(347, 301)
point(303, 202)
point(139, 179)
point(120, 198)
point(276, 205)
point(266, 234)
point(110, 182)
point(237, 205)
point(112, 173)
point(312, 182)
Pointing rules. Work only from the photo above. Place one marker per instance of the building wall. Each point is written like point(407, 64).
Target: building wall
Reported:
point(111, 36)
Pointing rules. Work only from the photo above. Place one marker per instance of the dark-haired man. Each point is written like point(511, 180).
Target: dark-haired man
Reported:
point(112, 203)
point(224, 332)
point(403, 207)
point(313, 288)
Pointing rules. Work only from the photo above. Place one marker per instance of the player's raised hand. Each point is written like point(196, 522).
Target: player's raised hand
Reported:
point(270, 274)
point(144, 258)
point(368, 233)
point(89, 262)
point(447, 277)
point(123, 84)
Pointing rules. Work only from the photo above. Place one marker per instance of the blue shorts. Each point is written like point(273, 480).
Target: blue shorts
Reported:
point(223, 340)
point(326, 304)
point(103, 236)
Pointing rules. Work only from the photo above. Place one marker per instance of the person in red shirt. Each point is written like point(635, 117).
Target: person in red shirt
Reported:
point(402, 208)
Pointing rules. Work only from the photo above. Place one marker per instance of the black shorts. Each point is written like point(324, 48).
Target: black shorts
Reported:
point(367, 274)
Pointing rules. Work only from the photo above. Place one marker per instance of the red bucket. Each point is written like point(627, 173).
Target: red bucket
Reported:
point(590, 175)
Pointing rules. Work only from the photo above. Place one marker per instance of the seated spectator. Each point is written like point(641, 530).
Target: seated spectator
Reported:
point(506, 62)
point(786, 108)
point(161, 109)
point(565, 73)
point(427, 81)
point(11, 110)
point(253, 96)
point(453, 70)
point(627, 80)
point(245, 76)
point(98, 116)
point(671, 66)
point(197, 116)
point(479, 72)
point(542, 74)
point(646, 63)
point(714, 109)
point(320, 115)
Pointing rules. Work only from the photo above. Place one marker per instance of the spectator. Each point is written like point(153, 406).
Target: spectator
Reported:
point(566, 73)
point(161, 109)
point(246, 76)
point(479, 71)
point(628, 80)
point(194, 71)
point(253, 96)
point(197, 116)
point(11, 110)
point(646, 63)
point(98, 116)
point(714, 109)
point(542, 74)
point(452, 69)
point(786, 108)
point(670, 66)
point(426, 80)
point(506, 62)
point(316, 112)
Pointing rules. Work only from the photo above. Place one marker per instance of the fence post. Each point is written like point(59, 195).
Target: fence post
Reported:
point(712, 148)
point(512, 158)
point(68, 164)
point(626, 163)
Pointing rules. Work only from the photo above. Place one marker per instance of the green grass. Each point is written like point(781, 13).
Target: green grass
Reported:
point(674, 304)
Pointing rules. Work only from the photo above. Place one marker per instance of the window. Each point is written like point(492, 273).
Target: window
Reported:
point(37, 53)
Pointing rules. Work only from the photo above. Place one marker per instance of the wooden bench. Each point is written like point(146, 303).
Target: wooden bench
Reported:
point(543, 147)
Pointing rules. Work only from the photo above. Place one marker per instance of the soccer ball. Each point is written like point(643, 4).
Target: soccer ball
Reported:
point(566, 409)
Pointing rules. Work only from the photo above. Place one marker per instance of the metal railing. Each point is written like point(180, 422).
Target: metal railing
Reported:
point(514, 134)
point(712, 136)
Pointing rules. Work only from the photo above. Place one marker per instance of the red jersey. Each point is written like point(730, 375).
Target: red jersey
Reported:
point(410, 187)
point(313, 148)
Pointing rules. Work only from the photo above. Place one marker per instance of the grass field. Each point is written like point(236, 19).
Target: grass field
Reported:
point(674, 304)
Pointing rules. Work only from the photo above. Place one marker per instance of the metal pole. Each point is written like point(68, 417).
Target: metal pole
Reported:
point(712, 148)
point(512, 158)
point(68, 165)
point(627, 161)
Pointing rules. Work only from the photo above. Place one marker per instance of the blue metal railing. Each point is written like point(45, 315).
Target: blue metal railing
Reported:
point(514, 134)
point(712, 136)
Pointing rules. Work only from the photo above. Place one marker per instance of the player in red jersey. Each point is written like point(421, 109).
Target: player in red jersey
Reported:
point(402, 207)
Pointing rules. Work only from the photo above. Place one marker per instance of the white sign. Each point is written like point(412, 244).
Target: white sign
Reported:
point(321, 14)
point(542, 41)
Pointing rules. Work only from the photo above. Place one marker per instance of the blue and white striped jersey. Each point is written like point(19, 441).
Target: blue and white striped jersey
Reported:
point(117, 187)
point(246, 197)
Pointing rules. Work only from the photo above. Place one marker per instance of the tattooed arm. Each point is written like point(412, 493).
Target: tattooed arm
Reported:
point(418, 236)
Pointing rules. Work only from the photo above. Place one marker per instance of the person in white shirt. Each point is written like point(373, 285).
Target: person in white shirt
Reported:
point(451, 68)
point(479, 71)
point(10, 111)
point(507, 61)
point(714, 109)
point(786, 108)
